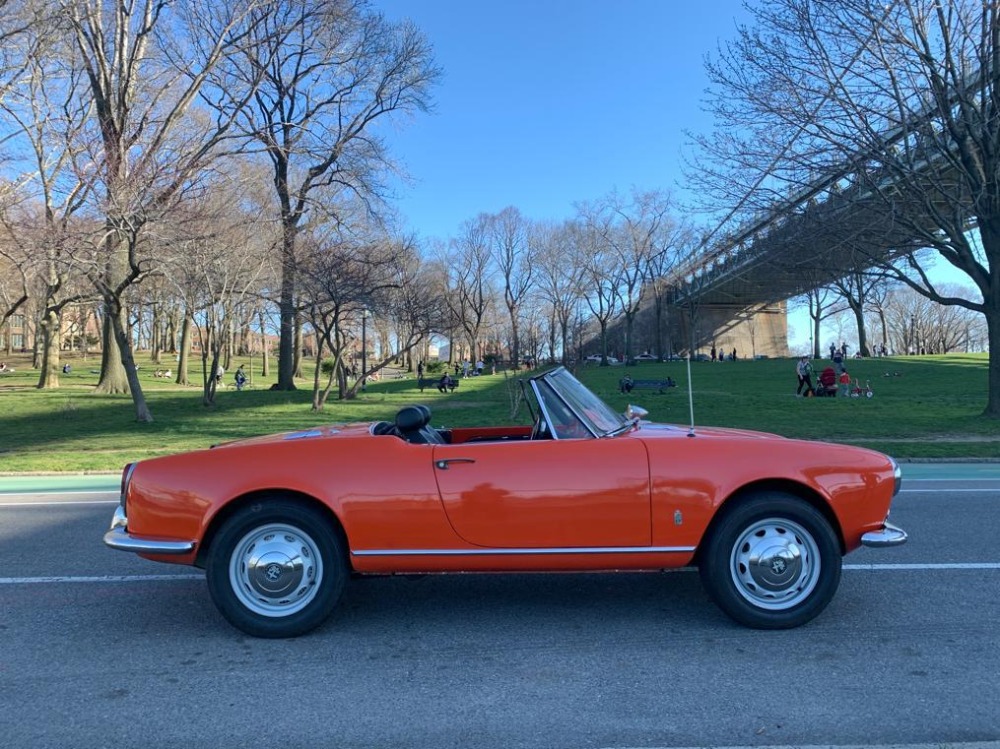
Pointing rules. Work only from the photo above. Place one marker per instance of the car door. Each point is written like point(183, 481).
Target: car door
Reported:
point(547, 493)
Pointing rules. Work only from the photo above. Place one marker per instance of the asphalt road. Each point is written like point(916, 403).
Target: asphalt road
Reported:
point(101, 649)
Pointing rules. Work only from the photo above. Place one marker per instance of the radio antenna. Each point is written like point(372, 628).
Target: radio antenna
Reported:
point(690, 396)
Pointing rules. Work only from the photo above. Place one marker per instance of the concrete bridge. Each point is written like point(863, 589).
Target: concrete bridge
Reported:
point(735, 293)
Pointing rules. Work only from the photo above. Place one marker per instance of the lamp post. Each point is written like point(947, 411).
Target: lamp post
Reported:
point(364, 347)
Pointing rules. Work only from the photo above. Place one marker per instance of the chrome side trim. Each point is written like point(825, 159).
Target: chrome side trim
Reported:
point(118, 538)
point(523, 552)
point(888, 535)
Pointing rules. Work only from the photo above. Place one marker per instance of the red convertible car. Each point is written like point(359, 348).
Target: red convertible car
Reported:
point(280, 523)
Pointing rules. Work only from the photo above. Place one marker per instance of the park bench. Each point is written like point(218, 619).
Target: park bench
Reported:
point(432, 382)
point(657, 385)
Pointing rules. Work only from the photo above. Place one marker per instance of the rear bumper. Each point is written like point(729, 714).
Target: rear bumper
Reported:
point(888, 535)
point(119, 538)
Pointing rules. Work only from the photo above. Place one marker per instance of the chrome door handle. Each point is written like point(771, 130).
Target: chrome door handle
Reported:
point(443, 464)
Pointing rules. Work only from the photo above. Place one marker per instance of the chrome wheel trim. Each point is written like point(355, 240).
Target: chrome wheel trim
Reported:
point(275, 570)
point(775, 564)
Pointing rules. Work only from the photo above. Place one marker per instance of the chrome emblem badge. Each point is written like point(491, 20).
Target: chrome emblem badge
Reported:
point(272, 572)
point(778, 565)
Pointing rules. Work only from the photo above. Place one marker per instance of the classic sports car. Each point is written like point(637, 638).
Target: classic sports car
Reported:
point(279, 523)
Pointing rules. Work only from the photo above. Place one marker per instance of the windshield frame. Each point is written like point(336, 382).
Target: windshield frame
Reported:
point(561, 398)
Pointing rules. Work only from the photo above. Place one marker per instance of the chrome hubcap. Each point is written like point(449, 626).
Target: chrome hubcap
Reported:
point(275, 570)
point(775, 564)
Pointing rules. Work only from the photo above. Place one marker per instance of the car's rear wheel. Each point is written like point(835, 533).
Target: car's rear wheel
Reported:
point(771, 562)
point(276, 569)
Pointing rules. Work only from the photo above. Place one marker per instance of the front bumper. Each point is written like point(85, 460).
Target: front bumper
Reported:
point(888, 535)
point(118, 538)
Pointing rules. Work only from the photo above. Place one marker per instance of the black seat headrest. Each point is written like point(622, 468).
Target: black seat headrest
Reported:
point(383, 427)
point(411, 418)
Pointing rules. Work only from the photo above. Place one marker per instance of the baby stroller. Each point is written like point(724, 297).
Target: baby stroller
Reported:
point(827, 383)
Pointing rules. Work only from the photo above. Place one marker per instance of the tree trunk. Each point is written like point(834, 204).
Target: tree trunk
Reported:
point(127, 364)
point(815, 336)
point(515, 341)
point(318, 396)
point(184, 354)
point(993, 332)
point(859, 319)
point(344, 392)
point(553, 323)
point(51, 342)
point(209, 384)
point(171, 333)
point(286, 343)
point(658, 324)
point(114, 380)
point(297, 355)
point(629, 324)
point(265, 360)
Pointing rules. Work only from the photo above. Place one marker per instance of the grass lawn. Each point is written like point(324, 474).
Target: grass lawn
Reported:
point(923, 407)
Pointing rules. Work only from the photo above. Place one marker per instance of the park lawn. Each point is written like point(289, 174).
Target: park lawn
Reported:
point(923, 407)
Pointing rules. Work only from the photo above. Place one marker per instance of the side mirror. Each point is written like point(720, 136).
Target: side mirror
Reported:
point(635, 413)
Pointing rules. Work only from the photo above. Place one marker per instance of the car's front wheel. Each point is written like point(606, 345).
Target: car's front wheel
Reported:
point(276, 569)
point(771, 562)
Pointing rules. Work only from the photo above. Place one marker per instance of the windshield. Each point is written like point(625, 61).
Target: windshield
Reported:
point(571, 409)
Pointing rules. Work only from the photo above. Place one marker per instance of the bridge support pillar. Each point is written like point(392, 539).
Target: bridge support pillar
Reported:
point(756, 331)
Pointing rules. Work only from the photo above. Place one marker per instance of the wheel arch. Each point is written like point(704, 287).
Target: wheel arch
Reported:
point(779, 485)
point(261, 495)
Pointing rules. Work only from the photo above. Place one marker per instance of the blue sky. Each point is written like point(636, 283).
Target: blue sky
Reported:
point(545, 103)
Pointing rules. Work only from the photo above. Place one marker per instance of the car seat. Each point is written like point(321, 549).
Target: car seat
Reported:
point(412, 424)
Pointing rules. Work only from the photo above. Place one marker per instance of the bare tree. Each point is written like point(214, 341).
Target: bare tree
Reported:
point(854, 289)
point(514, 257)
point(636, 230)
point(899, 103)
point(560, 279)
point(675, 246)
point(918, 325)
point(344, 277)
point(602, 275)
point(327, 70)
point(146, 63)
point(469, 264)
point(49, 122)
point(13, 282)
point(216, 263)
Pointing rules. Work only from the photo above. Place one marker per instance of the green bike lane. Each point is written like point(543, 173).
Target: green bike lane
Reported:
point(61, 483)
point(110, 482)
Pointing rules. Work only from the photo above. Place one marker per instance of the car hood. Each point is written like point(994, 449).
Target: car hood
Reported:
point(654, 430)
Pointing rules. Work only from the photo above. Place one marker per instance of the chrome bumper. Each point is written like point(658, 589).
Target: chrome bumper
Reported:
point(118, 538)
point(889, 535)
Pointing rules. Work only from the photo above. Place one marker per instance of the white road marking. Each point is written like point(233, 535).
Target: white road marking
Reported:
point(115, 492)
point(945, 566)
point(950, 491)
point(69, 579)
point(61, 504)
point(96, 579)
